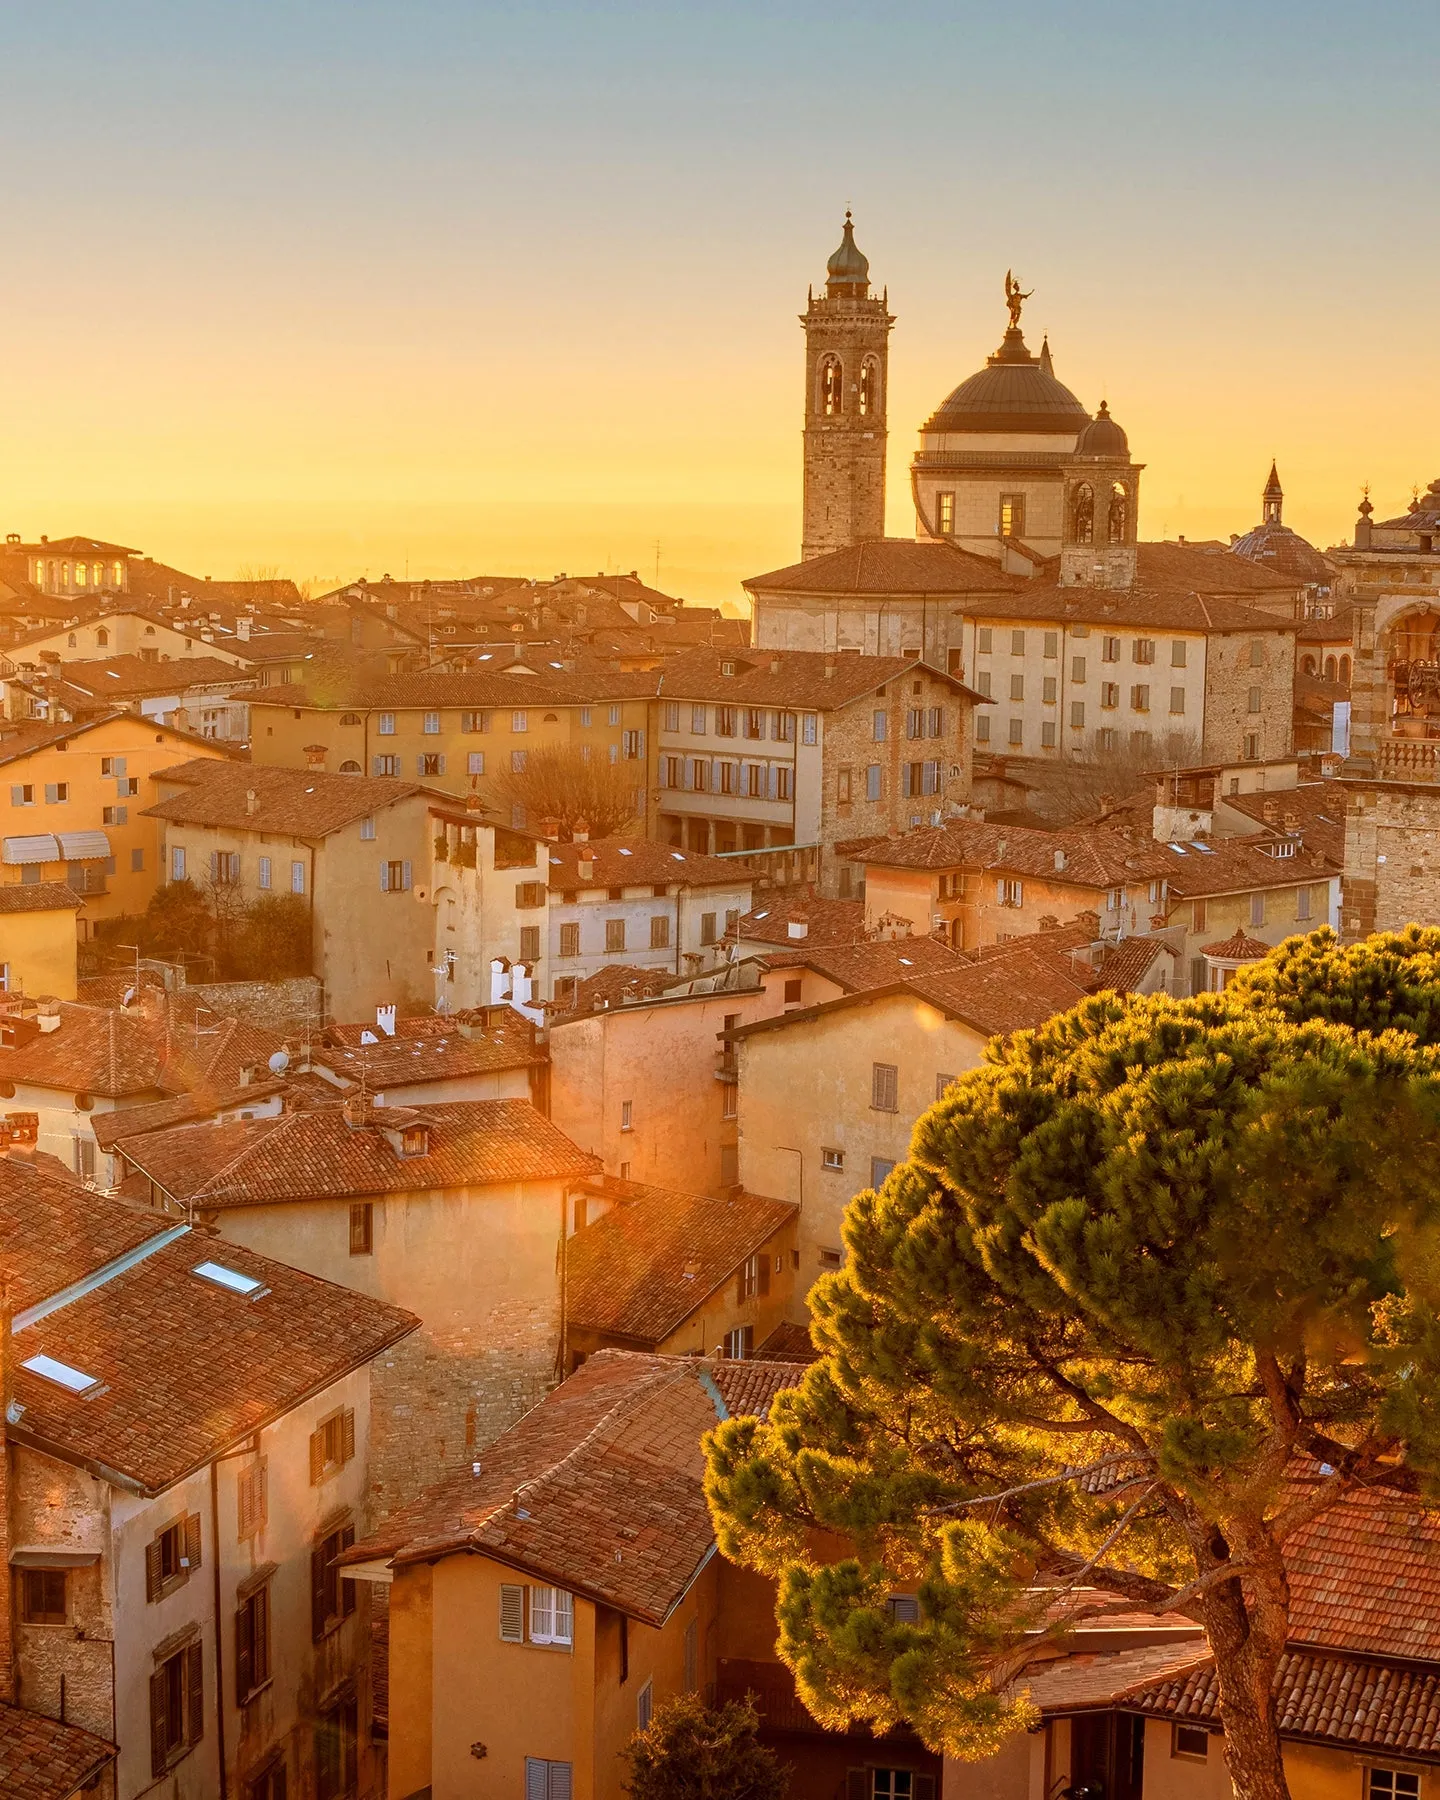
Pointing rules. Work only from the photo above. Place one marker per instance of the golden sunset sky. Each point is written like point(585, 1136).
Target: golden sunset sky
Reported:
point(461, 288)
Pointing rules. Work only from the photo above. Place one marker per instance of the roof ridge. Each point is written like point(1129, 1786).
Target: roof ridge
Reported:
point(280, 1119)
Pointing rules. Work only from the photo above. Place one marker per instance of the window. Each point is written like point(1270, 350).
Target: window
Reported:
point(530, 943)
point(632, 745)
point(739, 1343)
point(1255, 700)
point(1017, 732)
point(1177, 653)
point(1143, 650)
point(177, 1707)
point(385, 725)
point(707, 928)
point(1012, 515)
point(1189, 1740)
point(251, 1499)
point(57, 793)
point(659, 931)
point(1140, 697)
point(474, 721)
point(252, 1644)
point(1302, 903)
point(530, 893)
point(1077, 715)
point(1077, 668)
point(983, 639)
point(430, 724)
point(395, 877)
point(270, 1784)
point(22, 794)
point(331, 1599)
point(432, 763)
point(1117, 524)
point(1049, 690)
point(1047, 735)
point(754, 1277)
point(945, 515)
point(894, 1784)
point(547, 1780)
point(362, 1227)
point(982, 730)
point(831, 1158)
point(1082, 514)
point(1177, 700)
point(1390, 1784)
point(1257, 909)
point(172, 1556)
point(724, 721)
point(297, 878)
point(1017, 687)
point(1257, 654)
point(1110, 649)
point(943, 1084)
point(809, 728)
point(1109, 693)
point(614, 934)
point(114, 815)
point(903, 1609)
point(872, 776)
point(570, 940)
point(878, 725)
point(42, 1597)
point(880, 1167)
point(1250, 750)
point(519, 721)
point(332, 1444)
point(884, 1087)
point(517, 762)
point(552, 1616)
point(337, 1733)
point(1009, 893)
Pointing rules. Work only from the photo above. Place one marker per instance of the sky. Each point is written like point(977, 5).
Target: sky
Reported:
point(440, 288)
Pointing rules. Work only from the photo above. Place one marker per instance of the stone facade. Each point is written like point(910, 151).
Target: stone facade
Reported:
point(847, 333)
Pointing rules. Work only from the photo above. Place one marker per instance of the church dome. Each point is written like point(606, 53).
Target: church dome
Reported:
point(1103, 437)
point(848, 264)
point(1014, 392)
point(1276, 546)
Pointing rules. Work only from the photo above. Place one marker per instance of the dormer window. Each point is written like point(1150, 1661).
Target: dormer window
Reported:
point(415, 1140)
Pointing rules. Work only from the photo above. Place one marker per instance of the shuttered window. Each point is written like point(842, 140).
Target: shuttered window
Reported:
point(884, 1087)
point(252, 1644)
point(177, 1707)
point(251, 1503)
point(547, 1780)
point(332, 1444)
point(331, 1599)
point(337, 1735)
point(512, 1613)
point(172, 1556)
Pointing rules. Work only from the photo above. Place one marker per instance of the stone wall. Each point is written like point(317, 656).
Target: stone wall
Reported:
point(1230, 675)
point(282, 1006)
point(1392, 859)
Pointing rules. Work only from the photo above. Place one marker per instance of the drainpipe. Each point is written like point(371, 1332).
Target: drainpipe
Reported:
point(219, 1633)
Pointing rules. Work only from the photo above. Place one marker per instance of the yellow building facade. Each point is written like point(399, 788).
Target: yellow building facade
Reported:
point(37, 939)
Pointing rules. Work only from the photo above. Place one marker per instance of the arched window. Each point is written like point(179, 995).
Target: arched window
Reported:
point(72, 640)
point(82, 574)
point(65, 574)
point(869, 387)
point(118, 573)
point(1307, 665)
point(1119, 523)
point(52, 575)
point(1082, 514)
point(350, 768)
point(102, 636)
point(1329, 668)
point(1345, 670)
point(831, 389)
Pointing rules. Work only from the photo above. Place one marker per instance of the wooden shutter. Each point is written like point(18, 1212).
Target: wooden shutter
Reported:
point(317, 1458)
point(924, 1788)
point(278, 1782)
point(405, 877)
point(152, 1570)
point(159, 1723)
point(512, 1615)
point(347, 1437)
point(384, 878)
point(763, 1259)
point(345, 1590)
point(857, 1784)
point(260, 1635)
point(194, 1694)
point(560, 1781)
point(740, 1285)
point(244, 1652)
point(192, 1540)
point(317, 1593)
point(537, 1779)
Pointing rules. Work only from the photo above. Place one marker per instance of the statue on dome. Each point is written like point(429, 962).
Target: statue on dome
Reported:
point(1014, 299)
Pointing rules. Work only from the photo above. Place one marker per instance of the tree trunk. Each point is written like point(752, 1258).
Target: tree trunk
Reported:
point(1248, 1642)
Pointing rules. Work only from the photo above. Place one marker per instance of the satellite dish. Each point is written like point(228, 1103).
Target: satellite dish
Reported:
point(279, 1062)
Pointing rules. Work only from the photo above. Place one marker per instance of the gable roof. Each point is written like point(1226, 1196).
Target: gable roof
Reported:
point(825, 921)
point(639, 862)
point(899, 566)
point(298, 802)
point(430, 1048)
point(210, 1366)
point(118, 1053)
point(36, 736)
point(126, 676)
point(791, 678)
point(41, 1759)
point(318, 1155)
point(874, 963)
point(39, 896)
point(658, 1254)
point(599, 1488)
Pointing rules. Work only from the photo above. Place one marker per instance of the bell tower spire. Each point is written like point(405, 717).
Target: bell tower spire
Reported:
point(847, 332)
point(1272, 501)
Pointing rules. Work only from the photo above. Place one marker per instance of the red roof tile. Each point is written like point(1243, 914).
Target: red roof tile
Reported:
point(41, 1759)
point(638, 862)
point(900, 566)
point(302, 802)
point(39, 896)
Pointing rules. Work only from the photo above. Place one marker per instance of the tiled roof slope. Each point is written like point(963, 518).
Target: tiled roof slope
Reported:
point(1004, 994)
point(1157, 608)
point(39, 896)
point(201, 1103)
point(638, 862)
point(317, 1155)
point(209, 1366)
point(303, 802)
point(126, 676)
point(1089, 1679)
point(643, 1268)
point(1319, 806)
point(429, 1048)
point(599, 1488)
point(119, 1053)
point(41, 1759)
point(890, 566)
point(825, 921)
point(1365, 1576)
point(51, 1241)
point(614, 985)
point(789, 677)
point(869, 965)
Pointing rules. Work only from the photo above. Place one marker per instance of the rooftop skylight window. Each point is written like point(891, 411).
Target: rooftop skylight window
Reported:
point(1204, 849)
point(625, 852)
point(229, 1278)
point(75, 1381)
point(677, 856)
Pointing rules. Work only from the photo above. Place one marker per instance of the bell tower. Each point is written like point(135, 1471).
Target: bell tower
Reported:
point(847, 333)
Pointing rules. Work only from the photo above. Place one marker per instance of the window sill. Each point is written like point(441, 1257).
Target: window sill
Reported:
point(256, 1692)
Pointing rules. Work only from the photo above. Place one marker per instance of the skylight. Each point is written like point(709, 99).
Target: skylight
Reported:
point(625, 852)
point(76, 1380)
point(1204, 849)
point(677, 856)
point(907, 962)
point(227, 1278)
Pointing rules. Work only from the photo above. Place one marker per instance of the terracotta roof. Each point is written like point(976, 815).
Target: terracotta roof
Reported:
point(210, 1367)
point(1365, 1577)
point(317, 1155)
point(869, 965)
point(1127, 963)
point(117, 1054)
point(298, 802)
point(430, 1048)
point(29, 738)
point(648, 1263)
point(1318, 805)
point(789, 1343)
point(638, 862)
point(39, 896)
point(825, 921)
point(890, 566)
point(1018, 992)
point(1328, 1699)
point(790, 678)
point(1239, 948)
point(614, 985)
point(123, 676)
point(41, 1759)
point(1338, 628)
point(50, 1240)
point(599, 1488)
point(1161, 608)
point(1206, 570)
point(1094, 1679)
point(201, 1103)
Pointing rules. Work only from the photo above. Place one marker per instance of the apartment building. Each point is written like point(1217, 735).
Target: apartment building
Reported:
point(542, 1608)
point(630, 903)
point(457, 1212)
point(171, 1542)
point(786, 748)
point(125, 632)
point(72, 806)
point(490, 895)
point(356, 851)
point(456, 732)
point(37, 939)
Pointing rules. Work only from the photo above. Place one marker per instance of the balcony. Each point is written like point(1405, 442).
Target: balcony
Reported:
point(1410, 759)
point(727, 1068)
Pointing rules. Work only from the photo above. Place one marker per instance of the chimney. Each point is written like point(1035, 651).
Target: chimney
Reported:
point(829, 671)
point(580, 832)
point(1291, 823)
point(586, 865)
point(798, 928)
point(242, 628)
point(385, 1019)
point(1270, 811)
point(20, 1133)
point(252, 802)
point(48, 1019)
point(356, 1110)
point(1059, 861)
point(774, 665)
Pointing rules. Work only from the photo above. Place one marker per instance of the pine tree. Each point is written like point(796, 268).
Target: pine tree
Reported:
point(690, 1751)
point(1155, 1288)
